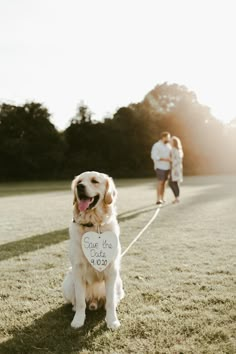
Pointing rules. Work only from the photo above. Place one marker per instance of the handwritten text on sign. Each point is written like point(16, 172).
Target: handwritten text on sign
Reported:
point(99, 249)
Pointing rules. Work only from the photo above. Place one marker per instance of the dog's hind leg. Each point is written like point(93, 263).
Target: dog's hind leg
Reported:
point(80, 293)
point(68, 288)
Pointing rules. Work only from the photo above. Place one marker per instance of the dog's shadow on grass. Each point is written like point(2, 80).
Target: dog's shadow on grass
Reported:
point(52, 333)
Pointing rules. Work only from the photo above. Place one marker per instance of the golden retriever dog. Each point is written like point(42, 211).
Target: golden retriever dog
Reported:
point(94, 209)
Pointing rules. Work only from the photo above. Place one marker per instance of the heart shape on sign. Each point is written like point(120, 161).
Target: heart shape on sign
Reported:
point(99, 249)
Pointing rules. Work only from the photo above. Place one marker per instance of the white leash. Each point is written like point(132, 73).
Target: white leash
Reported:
point(141, 232)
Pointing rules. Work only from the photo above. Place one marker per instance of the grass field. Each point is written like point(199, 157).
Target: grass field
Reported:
point(179, 280)
point(21, 188)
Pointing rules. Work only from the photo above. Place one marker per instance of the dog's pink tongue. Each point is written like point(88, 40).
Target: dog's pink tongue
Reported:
point(84, 204)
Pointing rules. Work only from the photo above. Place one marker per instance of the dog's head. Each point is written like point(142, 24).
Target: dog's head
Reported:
point(93, 188)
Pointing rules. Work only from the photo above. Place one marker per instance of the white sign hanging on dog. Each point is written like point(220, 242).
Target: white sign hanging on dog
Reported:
point(99, 249)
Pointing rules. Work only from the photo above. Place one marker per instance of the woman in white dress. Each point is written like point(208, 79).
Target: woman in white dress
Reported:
point(176, 175)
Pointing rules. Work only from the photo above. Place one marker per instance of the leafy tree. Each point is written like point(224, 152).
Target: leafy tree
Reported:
point(30, 146)
point(177, 110)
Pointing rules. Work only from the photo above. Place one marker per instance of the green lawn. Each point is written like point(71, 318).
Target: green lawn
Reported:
point(18, 188)
point(179, 284)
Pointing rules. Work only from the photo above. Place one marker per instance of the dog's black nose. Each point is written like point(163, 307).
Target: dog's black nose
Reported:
point(80, 187)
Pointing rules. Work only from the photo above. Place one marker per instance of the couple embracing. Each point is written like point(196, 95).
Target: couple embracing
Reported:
point(167, 155)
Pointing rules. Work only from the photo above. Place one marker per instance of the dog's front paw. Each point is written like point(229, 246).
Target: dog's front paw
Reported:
point(113, 324)
point(78, 320)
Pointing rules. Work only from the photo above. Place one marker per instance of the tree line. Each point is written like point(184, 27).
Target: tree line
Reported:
point(32, 148)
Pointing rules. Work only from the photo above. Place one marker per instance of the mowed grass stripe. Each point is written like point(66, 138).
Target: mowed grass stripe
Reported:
point(29, 187)
point(34, 243)
point(31, 244)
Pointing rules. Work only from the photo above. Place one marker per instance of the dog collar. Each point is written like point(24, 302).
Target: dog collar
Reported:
point(89, 224)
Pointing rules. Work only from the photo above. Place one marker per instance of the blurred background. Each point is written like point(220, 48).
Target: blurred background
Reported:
point(90, 85)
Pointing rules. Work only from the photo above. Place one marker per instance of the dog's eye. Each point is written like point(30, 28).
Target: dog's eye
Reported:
point(94, 180)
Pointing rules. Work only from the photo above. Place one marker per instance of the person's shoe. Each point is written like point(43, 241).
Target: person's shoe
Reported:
point(176, 201)
point(159, 202)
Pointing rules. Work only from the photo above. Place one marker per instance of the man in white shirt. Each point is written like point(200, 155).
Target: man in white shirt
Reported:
point(161, 156)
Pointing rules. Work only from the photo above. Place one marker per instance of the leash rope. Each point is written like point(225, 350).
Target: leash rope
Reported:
point(142, 231)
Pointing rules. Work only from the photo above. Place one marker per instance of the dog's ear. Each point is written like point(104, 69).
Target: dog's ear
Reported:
point(73, 187)
point(110, 193)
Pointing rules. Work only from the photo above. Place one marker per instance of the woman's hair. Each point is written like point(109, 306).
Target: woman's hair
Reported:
point(164, 134)
point(177, 143)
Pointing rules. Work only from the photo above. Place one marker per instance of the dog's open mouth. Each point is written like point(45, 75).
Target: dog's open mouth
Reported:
point(86, 202)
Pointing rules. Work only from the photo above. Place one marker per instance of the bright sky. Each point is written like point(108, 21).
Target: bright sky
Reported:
point(110, 53)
